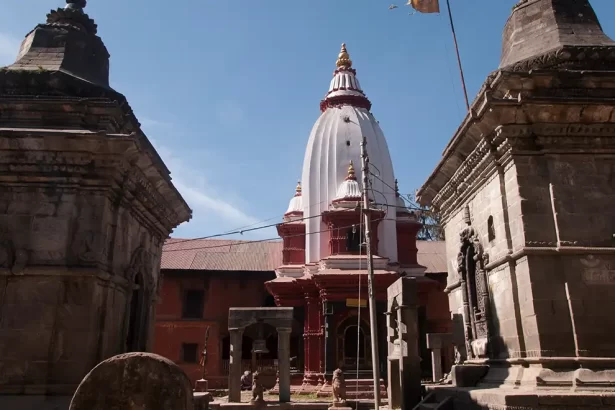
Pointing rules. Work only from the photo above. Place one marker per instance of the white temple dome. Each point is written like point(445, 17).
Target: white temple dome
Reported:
point(349, 190)
point(295, 206)
point(334, 142)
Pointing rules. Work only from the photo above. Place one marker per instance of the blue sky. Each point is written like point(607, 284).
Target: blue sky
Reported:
point(228, 91)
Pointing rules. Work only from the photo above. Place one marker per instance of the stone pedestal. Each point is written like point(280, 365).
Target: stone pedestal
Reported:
point(234, 378)
point(284, 363)
point(436, 342)
point(404, 375)
point(201, 386)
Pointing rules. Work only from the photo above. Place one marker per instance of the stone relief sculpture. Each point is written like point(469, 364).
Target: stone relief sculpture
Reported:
point(257, 389)
point(246, 380)
point(140, 262)
point(339, 387)
point(11, 258)
point(471, 262)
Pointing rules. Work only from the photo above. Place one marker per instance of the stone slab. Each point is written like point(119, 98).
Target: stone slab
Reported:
point(526, 399)
point(468, 375)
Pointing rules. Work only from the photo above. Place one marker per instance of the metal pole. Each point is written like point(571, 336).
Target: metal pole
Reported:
point(370, 276)
point(463, 81)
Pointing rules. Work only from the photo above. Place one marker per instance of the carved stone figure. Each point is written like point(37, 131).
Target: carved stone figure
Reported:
point(12, 258)
point(339, 387)
point(257, 389)
point(246, 380)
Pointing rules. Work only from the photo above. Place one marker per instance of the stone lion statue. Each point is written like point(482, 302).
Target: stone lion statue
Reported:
point(257, 389)
point(339, 387)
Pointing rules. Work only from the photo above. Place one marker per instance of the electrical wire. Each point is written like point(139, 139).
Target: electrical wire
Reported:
point(268, 239)
point(359, 302)
point(243, 231)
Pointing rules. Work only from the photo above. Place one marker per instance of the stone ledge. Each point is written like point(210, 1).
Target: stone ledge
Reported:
point(523, 399)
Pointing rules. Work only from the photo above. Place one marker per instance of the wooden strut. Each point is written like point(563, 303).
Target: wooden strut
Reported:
point(370, 276)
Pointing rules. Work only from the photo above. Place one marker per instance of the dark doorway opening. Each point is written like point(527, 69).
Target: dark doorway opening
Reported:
point(135, 323)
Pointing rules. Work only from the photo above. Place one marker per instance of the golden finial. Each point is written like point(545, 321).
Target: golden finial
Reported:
point(396, 188)
point(351, 176)
point(298, 189)
point(343, 59)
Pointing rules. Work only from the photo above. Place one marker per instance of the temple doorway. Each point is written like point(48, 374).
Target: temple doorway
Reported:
point(134, 337)
point(354, 345)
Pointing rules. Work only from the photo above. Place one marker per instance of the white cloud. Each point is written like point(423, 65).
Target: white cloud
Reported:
point(9, 48)
point(212, 213)
point(196, 190)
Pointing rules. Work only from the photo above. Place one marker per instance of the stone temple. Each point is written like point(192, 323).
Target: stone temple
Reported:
point(86, 204)
point(526, 190)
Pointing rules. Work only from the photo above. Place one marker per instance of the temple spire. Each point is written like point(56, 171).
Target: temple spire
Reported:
point(298, 189)
point(78, 5)
point(343, 59)
point(542, 34)
point(344, 88)
point(396, 188)
point(351, 175)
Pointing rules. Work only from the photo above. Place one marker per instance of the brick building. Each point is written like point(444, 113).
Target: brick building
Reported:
point(204, 278)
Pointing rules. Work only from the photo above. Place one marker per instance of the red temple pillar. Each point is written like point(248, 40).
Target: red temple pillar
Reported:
point(311, 333)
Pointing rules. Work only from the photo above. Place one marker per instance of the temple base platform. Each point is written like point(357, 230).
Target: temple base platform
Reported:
point(525, 388)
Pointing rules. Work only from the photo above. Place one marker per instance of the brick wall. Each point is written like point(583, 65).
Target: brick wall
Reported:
point(223, 290)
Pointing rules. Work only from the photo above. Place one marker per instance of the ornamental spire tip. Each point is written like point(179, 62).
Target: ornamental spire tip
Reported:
point(76, 4)
point(298, 189)
point(343, 59)
point(351, 175)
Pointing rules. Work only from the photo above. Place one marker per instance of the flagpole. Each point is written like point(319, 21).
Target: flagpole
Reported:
point(463, 81)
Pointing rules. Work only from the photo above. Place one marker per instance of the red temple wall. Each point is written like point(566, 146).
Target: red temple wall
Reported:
point(222, 291)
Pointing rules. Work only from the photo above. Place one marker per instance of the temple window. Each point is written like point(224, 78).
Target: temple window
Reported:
point(490, 229)
point(193, 304)
point(189, 352)
point(353, 239)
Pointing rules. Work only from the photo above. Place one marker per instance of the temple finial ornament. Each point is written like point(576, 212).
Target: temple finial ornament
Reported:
point(343, 59)
point(396, 188)
point(298, 189)
point(75, 4)
point(351, 175)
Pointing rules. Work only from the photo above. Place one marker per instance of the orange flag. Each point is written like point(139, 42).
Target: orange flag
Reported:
point(425, 6)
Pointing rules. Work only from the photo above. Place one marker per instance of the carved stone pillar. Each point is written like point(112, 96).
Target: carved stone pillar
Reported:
point(234, 376)
point(283, 364)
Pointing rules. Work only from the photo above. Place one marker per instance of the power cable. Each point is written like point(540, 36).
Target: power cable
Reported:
point(266, 240)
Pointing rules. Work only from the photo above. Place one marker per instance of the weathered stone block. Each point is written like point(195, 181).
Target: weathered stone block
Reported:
point(134, 380)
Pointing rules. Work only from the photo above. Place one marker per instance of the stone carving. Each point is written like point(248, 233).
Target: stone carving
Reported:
point(246, 380)
point(90, 246)
point(569, 56)
point(140, 262)
point(11, 258)
point(339, 387)
point(471, 261)
point(597, 272)
point(257, 389)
